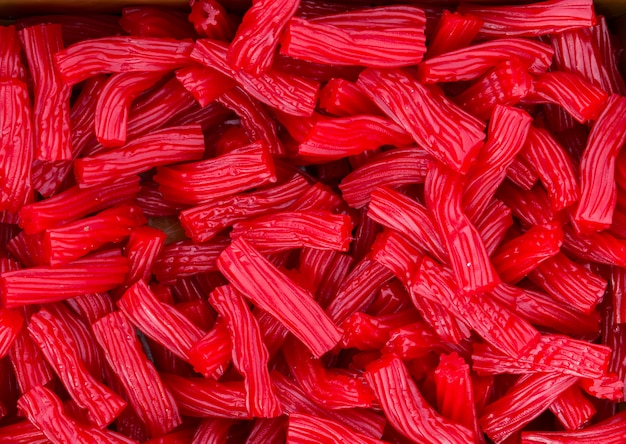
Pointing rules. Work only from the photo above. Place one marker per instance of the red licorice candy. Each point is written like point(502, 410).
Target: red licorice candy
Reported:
point(313, 222)
point(250, 355)
point(382, 37)
point(51, 113)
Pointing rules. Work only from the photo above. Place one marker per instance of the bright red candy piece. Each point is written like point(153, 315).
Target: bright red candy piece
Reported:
point(399, 212)
point(155, 407)
point(579, 98)
point(11, 65)
point(288, 93)
point(455, 394)
point(51, 110)
point(506, 84)
point(454, 31)
point(310, 429)
point(570, 283)
point(609, 431)
point(17, 141)
point(508, 129)
point(203, 222)
point(274, 292)
point(344, 98)
point(256, 122)
point(250, 356)
point(492, 321)
point(50, 284)
point(541, 18)
point(405, 407)
point(31, 369)
point(121, 54)
point(331, 139)
point(326, 386)
point(212, 351)
point(210, 19)
point(290, 230)
point(597, 185)
point(114, 101)
point(516, 258)
point(202, 398)
point(205, 84)
point(10, 326)
point(447, 132)
point(44, 409)
point(473, 61)
point(53, 337)
point(295, 400)
point(159, 321)
point(529, 396)
point(551, 354)
point(76, 239)
point(554, 167)
point(394, 168)
point(74, 203)
point(161, 147)
point(381, 37)
point(184, 258)
point(194, 183)
point(472, 268)
point(573, 408)
point(254, 45)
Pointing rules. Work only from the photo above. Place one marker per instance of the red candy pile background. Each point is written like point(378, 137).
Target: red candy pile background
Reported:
point(313, 222)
